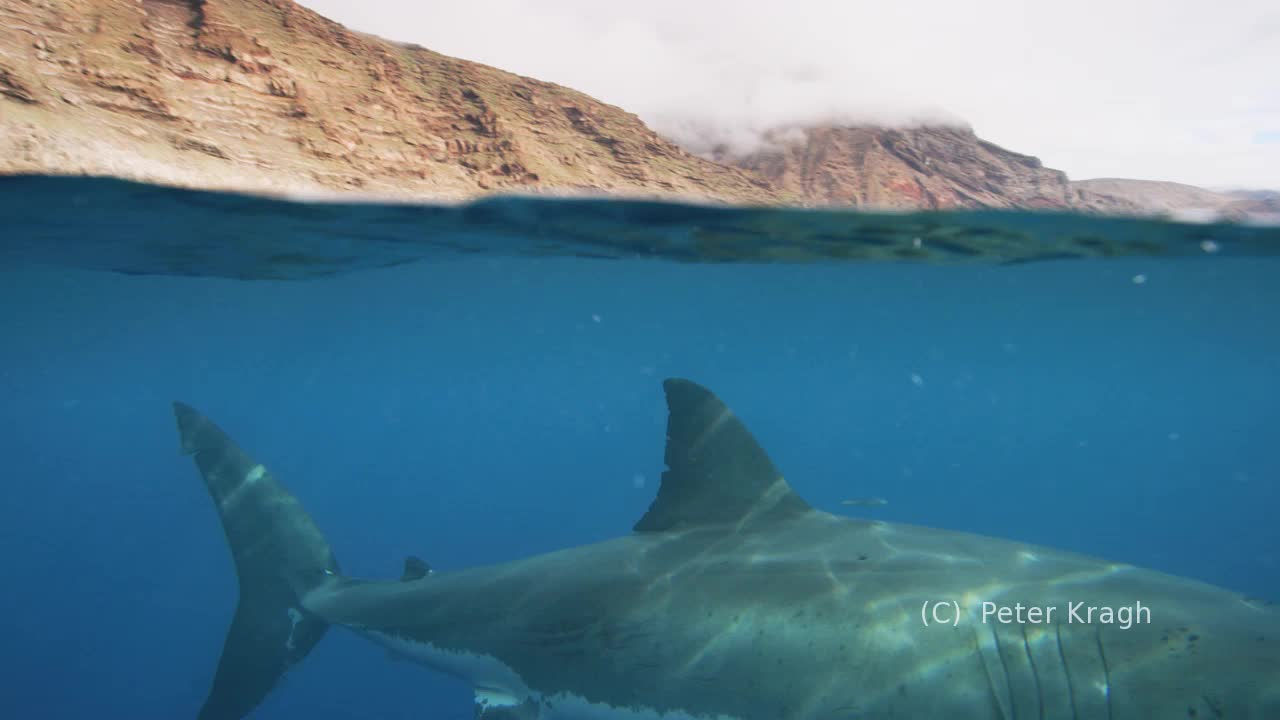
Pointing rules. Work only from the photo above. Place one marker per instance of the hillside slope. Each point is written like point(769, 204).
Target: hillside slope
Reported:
point(266, 95)
point(1159, 197)
point(922, 167)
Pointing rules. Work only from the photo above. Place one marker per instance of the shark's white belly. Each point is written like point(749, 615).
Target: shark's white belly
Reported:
point(500, 692)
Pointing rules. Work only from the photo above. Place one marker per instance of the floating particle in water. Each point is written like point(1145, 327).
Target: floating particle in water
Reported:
point(917, 380)
point(1209, 246)
point(1174, 435)
point(638, 481)
point(595, 318)
point(917, 243)
point(1139, 279)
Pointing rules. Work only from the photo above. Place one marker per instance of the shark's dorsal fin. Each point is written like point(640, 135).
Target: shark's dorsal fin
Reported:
point(415, 568)
point(717, 474)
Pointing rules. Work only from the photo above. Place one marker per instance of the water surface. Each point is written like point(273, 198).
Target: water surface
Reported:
point(500, 396)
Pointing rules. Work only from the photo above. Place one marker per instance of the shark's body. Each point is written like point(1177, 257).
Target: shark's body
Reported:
point(736, 600)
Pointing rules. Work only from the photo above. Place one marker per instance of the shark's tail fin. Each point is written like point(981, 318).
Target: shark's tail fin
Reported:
point(279, 555)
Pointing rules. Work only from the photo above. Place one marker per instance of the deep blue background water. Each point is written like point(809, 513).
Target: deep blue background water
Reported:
point(485, 409)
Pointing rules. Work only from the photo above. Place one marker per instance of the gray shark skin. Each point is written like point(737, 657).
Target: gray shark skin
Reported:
point(272, 539)
point(733, 599)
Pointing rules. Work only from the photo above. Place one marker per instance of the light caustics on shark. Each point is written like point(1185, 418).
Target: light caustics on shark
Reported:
point(733, 599)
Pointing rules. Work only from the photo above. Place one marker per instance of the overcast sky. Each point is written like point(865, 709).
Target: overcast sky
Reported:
point(1183, 90)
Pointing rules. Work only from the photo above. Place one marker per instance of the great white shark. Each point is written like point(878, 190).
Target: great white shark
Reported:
point(733, 599)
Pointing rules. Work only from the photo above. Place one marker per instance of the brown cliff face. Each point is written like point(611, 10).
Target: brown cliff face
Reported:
point(267, 96)
point(922, 167)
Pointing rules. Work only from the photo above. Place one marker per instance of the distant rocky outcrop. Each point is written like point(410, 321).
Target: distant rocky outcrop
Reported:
point(934, 167)
point(266, 95)
point(1169, 198)
point(1256, 202)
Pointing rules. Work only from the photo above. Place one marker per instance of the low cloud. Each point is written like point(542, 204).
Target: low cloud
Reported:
point(1174, 90)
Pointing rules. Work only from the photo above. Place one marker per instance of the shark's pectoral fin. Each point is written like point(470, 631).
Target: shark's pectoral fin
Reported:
point(717, 474)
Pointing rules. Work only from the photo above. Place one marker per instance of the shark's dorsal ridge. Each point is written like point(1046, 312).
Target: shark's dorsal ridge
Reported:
point(717, 474)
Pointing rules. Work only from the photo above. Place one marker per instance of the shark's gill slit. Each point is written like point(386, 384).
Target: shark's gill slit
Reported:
point(1035, 673)
point(1066, 670)
point(1106, 670)
point(1010, 685)
point(998, 698)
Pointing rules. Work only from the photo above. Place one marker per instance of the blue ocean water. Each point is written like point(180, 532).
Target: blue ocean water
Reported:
point(484, 406)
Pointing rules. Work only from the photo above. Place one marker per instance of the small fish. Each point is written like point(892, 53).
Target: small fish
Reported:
point(865, 502)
